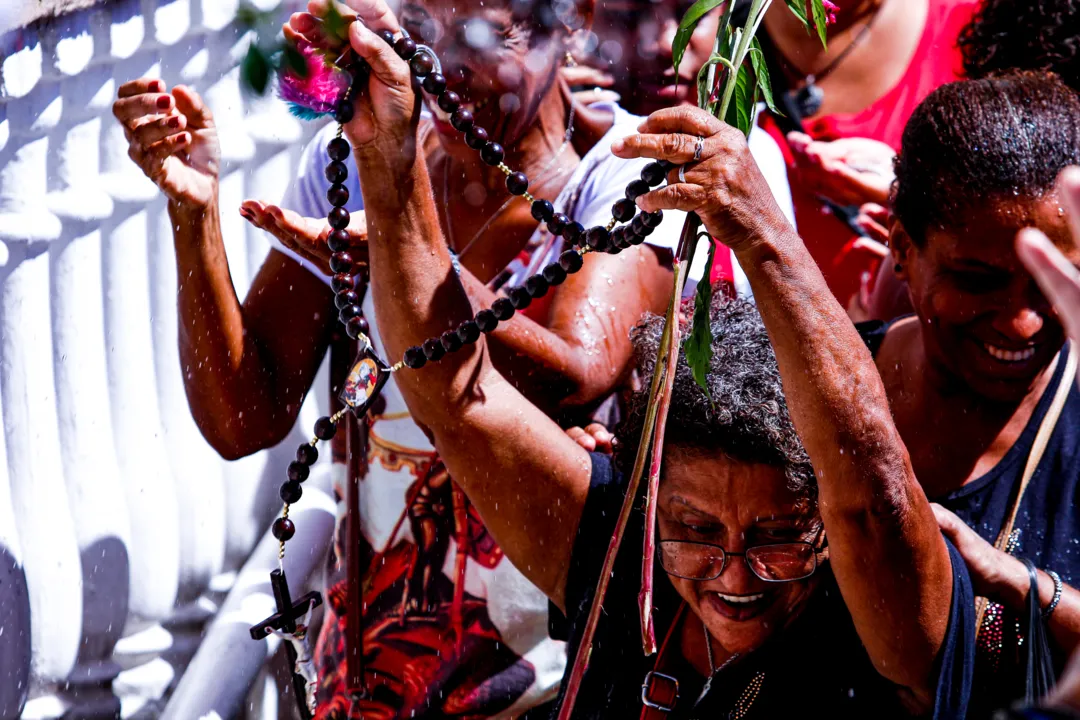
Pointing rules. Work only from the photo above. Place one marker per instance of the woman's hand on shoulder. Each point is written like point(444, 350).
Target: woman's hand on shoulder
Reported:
point(994, 574)
point(724, 187)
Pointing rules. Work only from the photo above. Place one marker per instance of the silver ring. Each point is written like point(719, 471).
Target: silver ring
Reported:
point(699, 149)
point(682, 173)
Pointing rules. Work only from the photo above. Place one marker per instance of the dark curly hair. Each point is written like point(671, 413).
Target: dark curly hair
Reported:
point(1034, 35)
point(747, 418)
point(974, 140)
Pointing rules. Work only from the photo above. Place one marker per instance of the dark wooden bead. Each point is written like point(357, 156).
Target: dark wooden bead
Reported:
point(624, 210)
point(542, 210)
point(486, 321)
point(415, 358)
point(307, 454)
point(571, 261)
point(636, 189)
point(298, 472)
point(492, 154)
point(386, 35)
point(434, 350)
point(435, 83)
point(520, 297)
point(646, 230)
point(337, 195)
point(360, 71)
point(341, 262)
point(356, 327)
point(344, 111)
point(339, 241)
point(349, 312)
point(338, 218)
point(619, 239)
point(476, 137)
point(554, 274)
point(637, 225)
point(421, 65)
point(558, 223)
point(468, 332)
point(405, 48)
point(517, 183)
point(462, 120)
point(325, 429)
point(574, 233)
point(341, 282)
point(449, 101)
point(537, 286)
point(450, 340)
point(503, 309)
point(345, 298)
point(338, 149)
point(336, 172)
point(290, 492)
point(598, 238)
point(283, 529)
point(654, 173)
point(653, 219)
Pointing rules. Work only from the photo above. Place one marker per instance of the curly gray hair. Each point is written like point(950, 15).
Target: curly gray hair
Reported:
point(747, 418)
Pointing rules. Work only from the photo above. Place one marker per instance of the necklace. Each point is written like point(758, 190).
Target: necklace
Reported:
point(567, 136)
point(808, 99)
point(748, 696)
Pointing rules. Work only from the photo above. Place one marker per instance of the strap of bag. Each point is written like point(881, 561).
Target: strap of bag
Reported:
point(1038, 447)
point(660, 692)
point(1040, 663)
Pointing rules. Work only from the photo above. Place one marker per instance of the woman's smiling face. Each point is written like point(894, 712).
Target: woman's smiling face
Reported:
point(984, 319)
point(500, 62)
point(708, 497)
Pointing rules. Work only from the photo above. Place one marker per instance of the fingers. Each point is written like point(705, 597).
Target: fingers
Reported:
point(191, 104)
point(871, 246)
point(582, 438)
point(603, 440)
point(1069, 189)
point(586, 76)
point(1056, 276)
point(135, 107)
point(141, 86)
point(682, 119)
point(949, 523)
point(149, 132)
point(375, 14)
point(681, 196)
point(385, 63)
point(152, 158)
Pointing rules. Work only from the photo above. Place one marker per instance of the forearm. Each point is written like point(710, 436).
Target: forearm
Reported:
point(886, 550)
point(227, 382)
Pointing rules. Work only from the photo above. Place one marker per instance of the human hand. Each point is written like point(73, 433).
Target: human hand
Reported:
point(306, 236)
point(849, 171)
point(383, 127)
point(875, 220)
point(725, 187)
point(172, 138)
point(1058, 278)
point(994, 574)
point(594, 438)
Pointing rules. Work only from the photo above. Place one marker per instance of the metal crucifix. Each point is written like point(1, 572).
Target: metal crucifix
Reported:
point(284, 624)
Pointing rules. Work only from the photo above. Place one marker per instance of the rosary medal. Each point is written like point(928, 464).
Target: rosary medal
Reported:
point(365, 381)
point(809, 98)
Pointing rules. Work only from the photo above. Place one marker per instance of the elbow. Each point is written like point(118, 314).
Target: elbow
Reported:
point(587, 383)
point(234, 439)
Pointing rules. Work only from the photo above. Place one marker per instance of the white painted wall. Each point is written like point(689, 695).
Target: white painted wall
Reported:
point(121, 531)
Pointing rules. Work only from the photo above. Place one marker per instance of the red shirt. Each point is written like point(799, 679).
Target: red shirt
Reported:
point(936, 61)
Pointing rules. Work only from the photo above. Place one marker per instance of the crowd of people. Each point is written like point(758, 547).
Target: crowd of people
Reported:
point(872, 509)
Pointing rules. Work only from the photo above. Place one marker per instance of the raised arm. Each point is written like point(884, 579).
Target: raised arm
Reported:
point(525, 476)
point(889, 558)
point(245, 378)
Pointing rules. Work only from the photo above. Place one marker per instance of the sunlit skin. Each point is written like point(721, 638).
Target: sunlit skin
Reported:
point(709, 497)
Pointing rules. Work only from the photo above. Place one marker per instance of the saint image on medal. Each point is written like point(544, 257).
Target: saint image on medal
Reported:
point(361, 384)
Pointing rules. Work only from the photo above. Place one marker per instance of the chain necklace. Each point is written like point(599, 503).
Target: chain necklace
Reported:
point(567, 137)
point(749, 695)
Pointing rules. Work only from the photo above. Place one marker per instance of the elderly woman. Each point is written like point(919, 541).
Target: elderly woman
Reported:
point(758, 623)
point(977, 378)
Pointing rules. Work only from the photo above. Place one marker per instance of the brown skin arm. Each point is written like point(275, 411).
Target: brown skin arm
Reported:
point(525, 476)
point(245, 377)
point(889, 558)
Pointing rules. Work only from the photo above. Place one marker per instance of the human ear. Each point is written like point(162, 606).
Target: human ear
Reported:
point(902, 249)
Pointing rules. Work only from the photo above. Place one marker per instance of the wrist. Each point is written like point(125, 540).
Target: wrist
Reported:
point(193, 211)
point(1012, 584)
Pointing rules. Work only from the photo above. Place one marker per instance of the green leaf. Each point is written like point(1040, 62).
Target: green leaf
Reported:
point(255, 69)
point(704, 89)
point(689, 21)
point(798, 9)
point(293, 60)
point(334, 25)
point(821, 21)
point(741, 111)
point(761, 72)
point(698, 346)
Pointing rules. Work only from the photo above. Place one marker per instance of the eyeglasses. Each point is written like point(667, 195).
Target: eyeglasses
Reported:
point(780, 562)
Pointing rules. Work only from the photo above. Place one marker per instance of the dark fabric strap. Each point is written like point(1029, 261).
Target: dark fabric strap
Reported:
point(660, 691)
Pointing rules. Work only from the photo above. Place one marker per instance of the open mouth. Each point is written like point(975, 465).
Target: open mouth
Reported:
point(1009, 356)
point(740, 607)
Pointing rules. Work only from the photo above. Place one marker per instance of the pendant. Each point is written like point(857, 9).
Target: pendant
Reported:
point(365, 381)
point(808, 99)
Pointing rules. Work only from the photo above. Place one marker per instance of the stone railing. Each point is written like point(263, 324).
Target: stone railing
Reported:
point(125, 541)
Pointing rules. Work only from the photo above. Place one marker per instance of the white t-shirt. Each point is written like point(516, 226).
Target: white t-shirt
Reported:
point(505, 616)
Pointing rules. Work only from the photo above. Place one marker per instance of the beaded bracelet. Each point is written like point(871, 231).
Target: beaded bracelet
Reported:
point(1058, 587)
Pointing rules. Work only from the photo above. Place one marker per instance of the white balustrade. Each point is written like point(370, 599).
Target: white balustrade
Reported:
point(121, 530)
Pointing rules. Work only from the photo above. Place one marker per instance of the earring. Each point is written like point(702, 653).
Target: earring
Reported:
point(570, 61)
point(897, 268)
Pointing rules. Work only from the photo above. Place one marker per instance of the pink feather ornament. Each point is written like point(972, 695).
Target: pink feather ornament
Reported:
point(318, 92)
